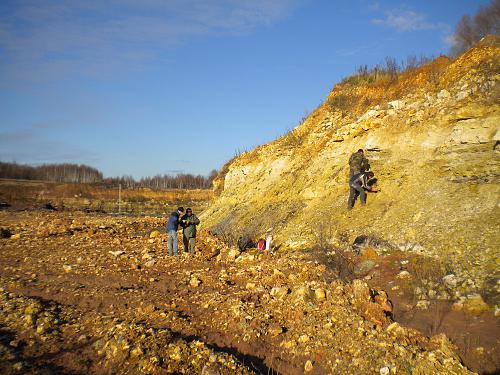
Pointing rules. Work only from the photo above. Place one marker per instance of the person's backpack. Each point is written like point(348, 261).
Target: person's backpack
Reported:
point(245, 242)
point(261, 244)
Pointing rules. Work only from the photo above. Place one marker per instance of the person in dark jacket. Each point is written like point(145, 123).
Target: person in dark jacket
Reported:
point(357, 186)
point(358, 163)
point(172, 227)
point(189, 222)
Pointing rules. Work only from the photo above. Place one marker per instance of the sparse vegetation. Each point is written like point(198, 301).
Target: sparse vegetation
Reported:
point(386, 72)
point(426, 269)
point(343, 102)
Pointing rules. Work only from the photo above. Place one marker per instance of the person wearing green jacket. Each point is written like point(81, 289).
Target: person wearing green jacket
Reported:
point(189, 222)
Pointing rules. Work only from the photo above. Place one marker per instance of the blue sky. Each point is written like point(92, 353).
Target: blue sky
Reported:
point(143, 87)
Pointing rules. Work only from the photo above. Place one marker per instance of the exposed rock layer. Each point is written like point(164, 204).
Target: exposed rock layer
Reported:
point(431, 139)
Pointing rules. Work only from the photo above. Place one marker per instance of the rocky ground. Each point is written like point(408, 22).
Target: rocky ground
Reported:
point(84, 293)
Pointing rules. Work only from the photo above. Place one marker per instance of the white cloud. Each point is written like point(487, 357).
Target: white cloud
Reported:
point(406, 20)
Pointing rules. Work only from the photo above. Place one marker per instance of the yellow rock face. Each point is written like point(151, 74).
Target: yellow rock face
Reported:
point(432, 141)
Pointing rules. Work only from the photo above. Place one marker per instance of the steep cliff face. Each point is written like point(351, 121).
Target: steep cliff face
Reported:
point(431, 139)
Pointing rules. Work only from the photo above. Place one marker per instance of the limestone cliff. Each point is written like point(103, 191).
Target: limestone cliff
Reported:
point(431, 137)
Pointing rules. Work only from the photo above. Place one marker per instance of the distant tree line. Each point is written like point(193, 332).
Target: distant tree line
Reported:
point(79, 173)
point(470, 29)
point(162, 182)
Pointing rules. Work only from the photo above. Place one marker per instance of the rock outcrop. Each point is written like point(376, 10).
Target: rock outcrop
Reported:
point(432, 140)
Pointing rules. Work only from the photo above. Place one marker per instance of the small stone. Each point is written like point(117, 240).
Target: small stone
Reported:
point(384, 370)
point(443, 94)
point(29, 319)
point(404, 275)
point(194, 282)
point(304, 294)
point(320, 294)
point(116, 253)
point(461, 95)
point(274, 330)
point(82, 338)
point(279, 292)
point(289, 344)
point(423, 304)
point(277, 272)
point(154, 234)
point(136, 352)
point(450, 280)
point(361, 291)
point(18, 366)
point(233, 254)
point(41, 329)
point(308, 366)
point(303, 339)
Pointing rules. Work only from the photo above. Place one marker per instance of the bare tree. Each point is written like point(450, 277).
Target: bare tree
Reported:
point(470, 30)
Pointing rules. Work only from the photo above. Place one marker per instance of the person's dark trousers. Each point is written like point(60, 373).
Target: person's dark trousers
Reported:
point(185, 242)
point(354, 191)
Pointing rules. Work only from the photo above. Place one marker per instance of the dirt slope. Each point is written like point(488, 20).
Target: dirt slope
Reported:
point(431, 139)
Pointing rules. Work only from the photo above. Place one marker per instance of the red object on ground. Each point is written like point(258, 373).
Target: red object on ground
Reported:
point(261, 245)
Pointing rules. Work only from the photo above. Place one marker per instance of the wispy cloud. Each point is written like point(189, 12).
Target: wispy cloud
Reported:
point(406, 20)
point(92, 37)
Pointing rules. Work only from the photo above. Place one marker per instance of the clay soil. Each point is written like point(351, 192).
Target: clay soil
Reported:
point(97, 294)
point(475, 335)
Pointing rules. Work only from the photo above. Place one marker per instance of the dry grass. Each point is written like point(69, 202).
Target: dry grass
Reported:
point(426, 269)
point(12, 190)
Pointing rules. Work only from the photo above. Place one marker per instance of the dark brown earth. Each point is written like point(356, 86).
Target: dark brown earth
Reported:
point(475, 335)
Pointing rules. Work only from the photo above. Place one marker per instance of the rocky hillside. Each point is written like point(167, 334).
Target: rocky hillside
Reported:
point(431, 137)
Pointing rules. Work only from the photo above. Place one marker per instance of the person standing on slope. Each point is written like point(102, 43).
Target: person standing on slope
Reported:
point(172, 227)
point(358, 163)
point(189, 222)
point(357, 186)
